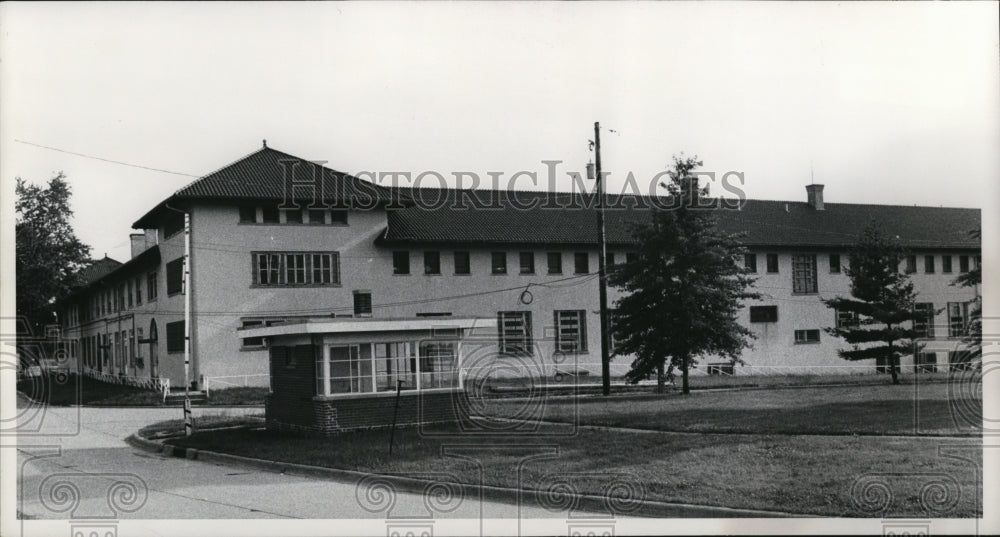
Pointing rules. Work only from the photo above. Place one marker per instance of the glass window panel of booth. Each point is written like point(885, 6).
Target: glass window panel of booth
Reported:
point(396, 361)
point(350, 369)
point(437, 365)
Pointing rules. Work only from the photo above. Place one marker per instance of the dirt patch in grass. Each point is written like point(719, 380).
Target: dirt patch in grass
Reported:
point(818, 475)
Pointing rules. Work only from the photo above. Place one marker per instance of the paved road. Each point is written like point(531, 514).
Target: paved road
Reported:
point(86, 455)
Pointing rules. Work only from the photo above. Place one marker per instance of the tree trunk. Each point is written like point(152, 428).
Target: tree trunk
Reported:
point(893, 361)
point(684, 376)
point(661, 380)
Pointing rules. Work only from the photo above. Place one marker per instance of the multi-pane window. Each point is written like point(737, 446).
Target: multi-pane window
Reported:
point(252, 343)
point(807, 336)
point(395, 362)
point(835, 263)
point(772, 263)
point(151, 285)
point(175, 276)
point(923, 324)
point(804, 273)
point(763, 314)
point(963, 263)
point(462, 264)
point(750, 262)
point(929, 264)
point(498, 263)
point(401, 262)
point(131, 348)
point(527, 262)
point(175, 336)
point(437, 365)
point(581, 263)
point(128, 293)
point(946, 264)
point(248, 214)
point(432, 262)
point(138, 290)
point(555, 262)
point(350, 370)
point(911, 264)
point(296, 268)
point(846, 319)
point(363, 303)
point(571, 331)
point(958, 318)
point(515, 332)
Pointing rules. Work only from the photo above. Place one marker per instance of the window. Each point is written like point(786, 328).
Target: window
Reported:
point(293, 216)
point(515, 332)
point(835, 263)
point(846, 319)
point(317, 217)
point(349, 370)
point(175, 336)
point(946, 264)
point(763, 314)
point(338, 217)
point(609, 260)
point(925, 362)
point(722, 368)
point(128, 293)
point(395, 362)
point(175, 276)
point(807, 336)
point(911, 264)
point(252, 343)
point(963, 263)
point(571, 331)
point(432, 262)
point(138, 290)
point(173, 224)
point(804, 273)
point(555, 262)
point(295, 268)
point(151, 285)
point(772, 263)
point(924, 324)
point(462, 265)
point(958, 318)
point(401, 262)
point(750, 262)
point(437, 365)
point(581, 263)
point(363, 303)
point(498, 263)
point(929, 264)
point(131, 348)
point(527, 262)
point(269, 214)
point(248, 214)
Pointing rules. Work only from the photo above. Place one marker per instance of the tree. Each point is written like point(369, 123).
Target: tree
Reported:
point(882, 302)
point(683, 293)
point(48, 252)
point(973, 338)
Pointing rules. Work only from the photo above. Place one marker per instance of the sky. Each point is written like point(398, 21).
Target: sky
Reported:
point(890, 103)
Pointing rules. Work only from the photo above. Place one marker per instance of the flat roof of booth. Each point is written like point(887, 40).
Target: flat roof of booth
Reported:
point(327, 325)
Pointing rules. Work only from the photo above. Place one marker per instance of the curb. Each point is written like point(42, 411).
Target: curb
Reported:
point(586, 502)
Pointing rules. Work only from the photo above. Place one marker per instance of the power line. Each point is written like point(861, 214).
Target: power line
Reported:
point(84, 155)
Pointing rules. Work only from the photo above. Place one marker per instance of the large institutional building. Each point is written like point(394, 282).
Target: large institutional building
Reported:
point(525, 262)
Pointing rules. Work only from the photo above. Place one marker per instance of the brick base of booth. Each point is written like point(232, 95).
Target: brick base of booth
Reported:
point(327, 416)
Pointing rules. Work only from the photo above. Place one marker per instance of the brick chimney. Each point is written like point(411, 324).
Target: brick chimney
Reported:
point(142, 241)
point(814, 194)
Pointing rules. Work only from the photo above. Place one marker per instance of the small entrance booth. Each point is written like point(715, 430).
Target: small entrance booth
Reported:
point(333, 375)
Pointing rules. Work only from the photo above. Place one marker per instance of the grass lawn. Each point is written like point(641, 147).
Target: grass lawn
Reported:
point(72, 389)
point(878, 409)
point(765, 468)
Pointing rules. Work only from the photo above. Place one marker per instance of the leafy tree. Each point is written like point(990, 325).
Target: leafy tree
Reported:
point(882, 303)
point(974, 333)
point(683, 294)
point(48, 252)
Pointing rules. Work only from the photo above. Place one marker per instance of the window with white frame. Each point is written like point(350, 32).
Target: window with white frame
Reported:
point(395, 362)
point(807, 336)
point(437, 365)
point(958, 318)
point(296, 268)
point(571, 331)
point(923, 324)
point(846, 319)
point(515, 332)
point(371, 367)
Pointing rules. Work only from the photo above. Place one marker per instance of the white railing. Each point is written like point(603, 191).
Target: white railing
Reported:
point(227, 383)
point(159, 385)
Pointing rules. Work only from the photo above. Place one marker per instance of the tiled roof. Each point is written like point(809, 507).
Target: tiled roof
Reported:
point(97, 269)
point(107, 270)
point(447, 216)
point(260, 176)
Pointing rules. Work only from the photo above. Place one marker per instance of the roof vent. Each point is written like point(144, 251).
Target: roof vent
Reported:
point(814, 193)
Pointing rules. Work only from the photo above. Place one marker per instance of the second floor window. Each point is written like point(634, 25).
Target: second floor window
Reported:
point(946, 264)
point(462, 265)
point(363, 303)
point(835, 263)
point(151, 286)
point(401, 262)
point(515, 332)
point(175, 276)
point(432, 262)
point(963, 263)
point(555, 262)
point(527, 262)
point(581, 263)
point(772, 263)
point(911, 264)
point(750, 262)
point(571, 331)
point(929, 264)
point(804, 273)
point(958, 318)
point(924, 324)
point(498, 263)
point(296, 268)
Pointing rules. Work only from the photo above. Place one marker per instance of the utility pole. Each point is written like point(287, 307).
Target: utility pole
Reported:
point(188, 425)
point(602, 270)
